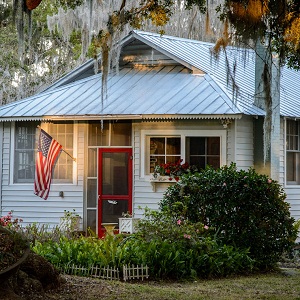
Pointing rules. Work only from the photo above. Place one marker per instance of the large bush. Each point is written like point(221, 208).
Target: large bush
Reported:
point(246, 209)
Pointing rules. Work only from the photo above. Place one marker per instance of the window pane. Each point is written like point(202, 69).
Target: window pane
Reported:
point(156, 160)
point(198, 161)
point(291, 166)
point(121, 134)
point(92, 193)
point(292, 135)
point(203, 151)
point(172, 159)
point(197, 145)
point(92, 162)
point(115, 173)
point(91, 219)
point(157, 144)
point(173, 146)
point(213, 161)
point(98, 136)
point(213, 145)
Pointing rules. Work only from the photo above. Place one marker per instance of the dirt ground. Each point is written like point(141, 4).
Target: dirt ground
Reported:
point(71, 288)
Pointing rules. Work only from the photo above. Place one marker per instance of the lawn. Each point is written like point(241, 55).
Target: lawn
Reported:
point(283, 286)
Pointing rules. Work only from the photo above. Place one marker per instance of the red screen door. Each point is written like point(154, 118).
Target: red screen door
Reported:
point(114, 185)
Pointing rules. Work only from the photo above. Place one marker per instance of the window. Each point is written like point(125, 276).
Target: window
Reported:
point(26, 146)
point(163, 150)
point(292, 152)
point(200, 150)
point(63, 133)
point(24, 154)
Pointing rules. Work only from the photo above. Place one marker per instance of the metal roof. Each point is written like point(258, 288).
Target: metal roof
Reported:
point(198, 55)
point(161, 91)
point(132, 93)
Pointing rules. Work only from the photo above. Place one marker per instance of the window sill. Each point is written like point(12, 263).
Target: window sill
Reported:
point(161, 179)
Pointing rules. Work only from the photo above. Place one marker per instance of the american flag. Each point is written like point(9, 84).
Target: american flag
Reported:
point(47, 155)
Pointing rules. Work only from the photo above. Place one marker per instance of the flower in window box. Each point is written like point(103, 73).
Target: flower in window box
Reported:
point(173, 170)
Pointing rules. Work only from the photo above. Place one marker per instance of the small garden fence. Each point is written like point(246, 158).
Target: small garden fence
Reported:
point(110, 273)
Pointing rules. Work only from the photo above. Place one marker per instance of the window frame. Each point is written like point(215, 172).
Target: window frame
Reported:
point(289, 183)
point(183, 134)
point(12, 155)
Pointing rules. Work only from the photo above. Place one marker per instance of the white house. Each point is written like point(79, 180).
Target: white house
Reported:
point(169, 100)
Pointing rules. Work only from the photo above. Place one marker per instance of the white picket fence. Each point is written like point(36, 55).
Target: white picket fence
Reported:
point(135, 272)
point(129, 272)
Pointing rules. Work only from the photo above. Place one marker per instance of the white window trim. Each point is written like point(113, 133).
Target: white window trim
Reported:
point(182, 134)
point(12, 156)
point(288, 184)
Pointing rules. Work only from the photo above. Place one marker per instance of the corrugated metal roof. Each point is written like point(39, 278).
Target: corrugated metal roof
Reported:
point(162, 91)
point(198, 55)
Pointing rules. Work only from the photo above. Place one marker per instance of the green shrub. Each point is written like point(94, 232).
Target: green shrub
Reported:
point(247, 210)
point(176, 248)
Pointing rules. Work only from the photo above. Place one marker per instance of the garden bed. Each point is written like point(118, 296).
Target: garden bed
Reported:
point(13, 251)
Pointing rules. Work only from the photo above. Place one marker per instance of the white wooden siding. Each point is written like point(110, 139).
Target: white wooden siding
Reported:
point(21, 199)
point(244, 156)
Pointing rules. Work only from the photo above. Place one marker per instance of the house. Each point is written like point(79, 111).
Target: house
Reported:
point(170, 100)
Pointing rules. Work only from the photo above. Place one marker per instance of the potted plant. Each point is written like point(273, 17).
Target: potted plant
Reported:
point(127, 223)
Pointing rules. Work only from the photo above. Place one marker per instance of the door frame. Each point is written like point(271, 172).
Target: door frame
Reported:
point(101, 197)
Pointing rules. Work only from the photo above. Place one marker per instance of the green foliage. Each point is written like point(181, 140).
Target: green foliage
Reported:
point(176, 248)
point(84, 251)
point(170, 248)
point(246, 209)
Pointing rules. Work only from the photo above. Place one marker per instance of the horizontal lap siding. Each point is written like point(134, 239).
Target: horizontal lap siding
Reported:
point(244, 143)
point(293, 198)
point(21, 199)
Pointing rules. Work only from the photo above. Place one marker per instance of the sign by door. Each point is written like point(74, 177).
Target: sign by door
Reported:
point(114, 186)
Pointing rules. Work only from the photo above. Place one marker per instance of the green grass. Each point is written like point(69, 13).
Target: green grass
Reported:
point(281, 286)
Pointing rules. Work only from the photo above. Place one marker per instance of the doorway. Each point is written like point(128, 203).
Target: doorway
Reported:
point(114, 185)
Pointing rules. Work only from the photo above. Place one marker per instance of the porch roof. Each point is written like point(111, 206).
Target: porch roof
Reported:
point(159, 93)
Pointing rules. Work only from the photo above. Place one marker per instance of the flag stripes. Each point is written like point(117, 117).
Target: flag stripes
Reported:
point(47, 155)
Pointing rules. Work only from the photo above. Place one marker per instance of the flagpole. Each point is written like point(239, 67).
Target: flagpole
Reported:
point(62, 149)
point(40, 128)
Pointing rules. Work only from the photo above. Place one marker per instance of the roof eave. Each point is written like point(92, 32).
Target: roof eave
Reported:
point(121, 117)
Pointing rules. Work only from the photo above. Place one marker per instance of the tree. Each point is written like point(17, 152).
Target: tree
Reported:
point(96, 25)
point(41, 57)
